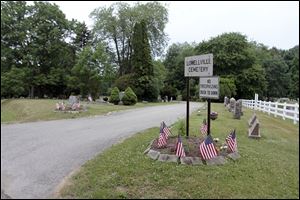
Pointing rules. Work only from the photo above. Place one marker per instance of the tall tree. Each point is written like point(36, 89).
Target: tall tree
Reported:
point(92, 65)
point(81, 35)
point(115, 25)
point(14, 26)
point(232, 53)
point(174, 63)
point(146, 85)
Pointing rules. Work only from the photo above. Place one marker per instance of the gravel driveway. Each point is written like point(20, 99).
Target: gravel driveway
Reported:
point(35, 157)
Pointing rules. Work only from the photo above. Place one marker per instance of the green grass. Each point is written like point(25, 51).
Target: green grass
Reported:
point(28, 110)
point(268, 167)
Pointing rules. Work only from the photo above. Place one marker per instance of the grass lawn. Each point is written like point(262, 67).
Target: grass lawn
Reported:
point(268, 167)
point(28, 110)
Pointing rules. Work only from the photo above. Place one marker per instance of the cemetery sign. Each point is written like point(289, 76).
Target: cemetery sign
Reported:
point(196, 66)
point(209, 87)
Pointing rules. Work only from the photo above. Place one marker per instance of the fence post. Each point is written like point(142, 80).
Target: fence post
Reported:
point(283, 112)
point(276, 107)
point(296, 110)
point(256, 101)
point(269, 108)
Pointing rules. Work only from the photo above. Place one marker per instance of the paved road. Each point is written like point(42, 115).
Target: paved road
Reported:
point(36, 156)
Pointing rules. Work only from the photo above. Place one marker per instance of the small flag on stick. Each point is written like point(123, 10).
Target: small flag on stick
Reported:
point(231, 141)
point(207, 148)
point(203, 128)
point(179, 148)
point(165, 129)
point(162, 140)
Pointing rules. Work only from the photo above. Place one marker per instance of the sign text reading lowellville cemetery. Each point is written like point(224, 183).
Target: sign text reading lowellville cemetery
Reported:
point(201, 65)
point(209, 87)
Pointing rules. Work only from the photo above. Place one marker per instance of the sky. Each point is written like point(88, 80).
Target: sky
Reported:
point(275, 24)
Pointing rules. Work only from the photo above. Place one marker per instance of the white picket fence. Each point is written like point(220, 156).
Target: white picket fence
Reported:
point(289, 111)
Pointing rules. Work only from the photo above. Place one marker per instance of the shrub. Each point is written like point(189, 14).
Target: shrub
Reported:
point(114, 96)
point(130, 97)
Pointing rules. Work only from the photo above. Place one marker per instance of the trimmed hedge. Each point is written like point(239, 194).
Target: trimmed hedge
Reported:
point(114, 96)
point(130, 97)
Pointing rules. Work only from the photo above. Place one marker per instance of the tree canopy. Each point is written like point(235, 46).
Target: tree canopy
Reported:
point(45, 54)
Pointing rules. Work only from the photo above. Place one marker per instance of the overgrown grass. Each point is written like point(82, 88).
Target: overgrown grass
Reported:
point(268, 167)
point(28, 110)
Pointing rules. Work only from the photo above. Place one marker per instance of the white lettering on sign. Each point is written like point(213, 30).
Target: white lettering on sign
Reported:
point(209, 87)
point(197, 66)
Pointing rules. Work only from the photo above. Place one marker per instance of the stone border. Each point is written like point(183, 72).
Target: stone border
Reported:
point(219, 160)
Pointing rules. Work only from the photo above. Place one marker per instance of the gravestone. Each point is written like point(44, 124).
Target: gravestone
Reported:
point(231, 104)
point(251, 120)
point(121, 95)
point(253, 131)
point(237, 110)
point(226, 101)
point(73, 99)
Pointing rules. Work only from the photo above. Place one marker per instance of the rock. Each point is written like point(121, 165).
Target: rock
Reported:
point(219, 160)
point(196, 161)
point(186, 160)
point(172, 158)
point(234, 155)
point(153, 154)
point(163, 157)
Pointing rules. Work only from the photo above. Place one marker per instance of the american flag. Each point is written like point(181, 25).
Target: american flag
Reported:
point(231, 141)
point(179, 148)
point(162, 140)
point(203, 128)
point(207, 148)
point(166, 130)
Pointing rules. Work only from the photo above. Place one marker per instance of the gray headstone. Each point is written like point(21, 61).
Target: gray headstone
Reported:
point(121, 95)
point(253, 131)
point(231, 103)
point(234, 155)
point(226, 101)
point(73, 99)
point(153, 154)
point(218, 160)
point(237, 109)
